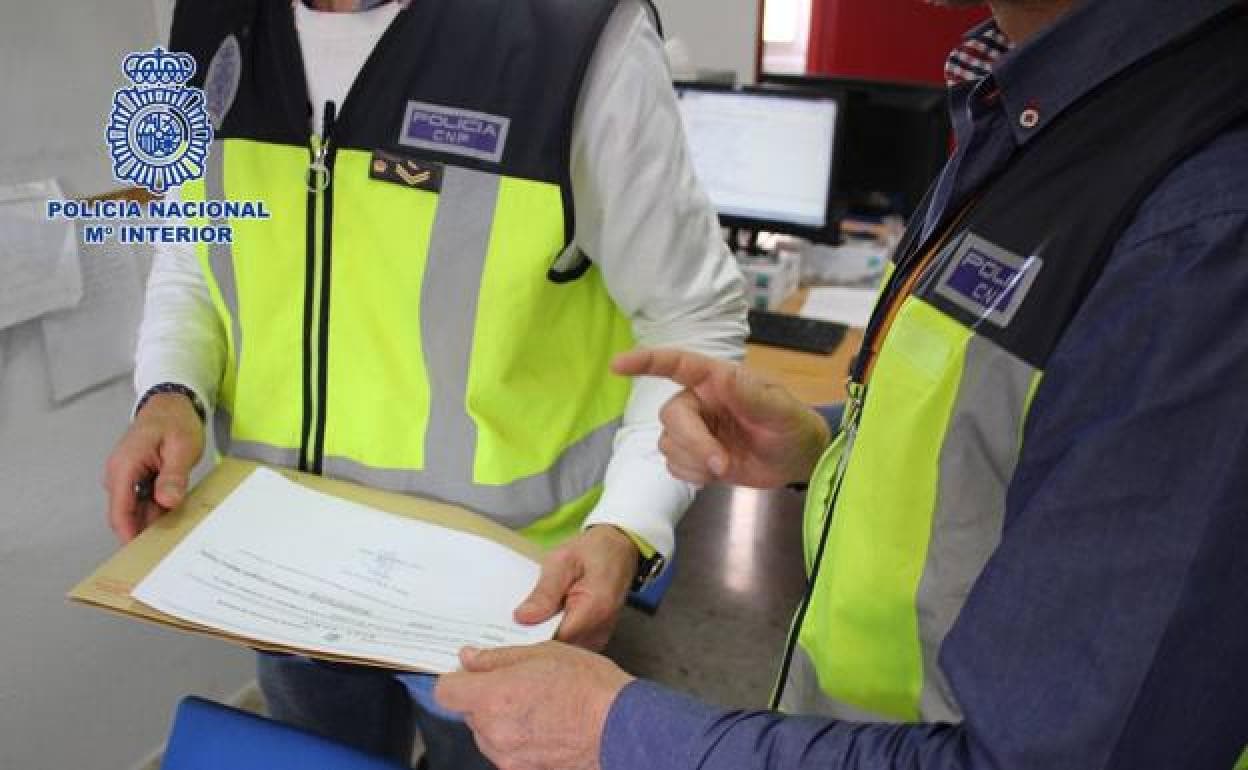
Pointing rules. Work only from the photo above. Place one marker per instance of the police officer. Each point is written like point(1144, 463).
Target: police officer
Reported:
point(1025, 542)
point(474, 206)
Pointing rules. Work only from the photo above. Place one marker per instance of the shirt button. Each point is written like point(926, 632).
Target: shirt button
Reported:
point(1029, 118)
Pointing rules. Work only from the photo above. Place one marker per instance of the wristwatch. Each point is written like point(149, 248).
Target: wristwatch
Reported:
point(648, 570)
point(650, 563)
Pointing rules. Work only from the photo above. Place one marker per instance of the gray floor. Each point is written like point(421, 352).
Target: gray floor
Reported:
point(722, 625)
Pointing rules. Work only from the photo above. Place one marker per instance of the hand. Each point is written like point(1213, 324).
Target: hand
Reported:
point(535, 708)
point(729, 423)
point(166, 439)
point(588, 577)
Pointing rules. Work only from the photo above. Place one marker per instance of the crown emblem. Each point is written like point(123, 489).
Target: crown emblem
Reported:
point(159, 130)
point(159, 67)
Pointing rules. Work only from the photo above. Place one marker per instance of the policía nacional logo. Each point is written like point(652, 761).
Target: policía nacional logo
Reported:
point(159, 130)
point(453, 130)
point(988, 281)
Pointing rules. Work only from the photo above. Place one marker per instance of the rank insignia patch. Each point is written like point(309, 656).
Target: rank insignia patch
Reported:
point(408, 172)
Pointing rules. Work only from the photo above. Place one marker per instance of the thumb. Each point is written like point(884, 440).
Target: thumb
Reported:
point(559, 572)
point(477, 661)
point(177, 456)
point(458, 691)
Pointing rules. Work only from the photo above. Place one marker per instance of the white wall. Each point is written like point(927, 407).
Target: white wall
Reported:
point(720, 34)
point(78, 689)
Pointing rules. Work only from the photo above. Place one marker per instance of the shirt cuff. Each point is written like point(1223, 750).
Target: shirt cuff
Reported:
point(646, 508)
point(651, 726)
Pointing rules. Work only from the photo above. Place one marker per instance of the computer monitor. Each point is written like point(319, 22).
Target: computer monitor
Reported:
point(894, 141)
point(766, 158)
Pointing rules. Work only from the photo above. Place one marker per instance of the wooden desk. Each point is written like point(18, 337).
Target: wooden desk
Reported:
point(815, 379)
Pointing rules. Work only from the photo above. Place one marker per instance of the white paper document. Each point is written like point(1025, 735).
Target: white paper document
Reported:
point(279, 563)
point(93, 343)
point(851, 307)
point(39, 268)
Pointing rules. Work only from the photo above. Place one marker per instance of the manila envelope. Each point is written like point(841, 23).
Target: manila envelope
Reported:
point(109, 587)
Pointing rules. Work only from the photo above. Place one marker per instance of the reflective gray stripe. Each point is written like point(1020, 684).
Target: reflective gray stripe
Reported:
point(977, 460)
point(802, 695)
point(249, 450)
point(221, 429)
point(517, 504)
point(448, 317)
point(221, 258)
point(264, 453)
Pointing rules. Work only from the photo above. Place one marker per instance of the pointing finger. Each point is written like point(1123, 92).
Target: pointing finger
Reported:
point(686, 368)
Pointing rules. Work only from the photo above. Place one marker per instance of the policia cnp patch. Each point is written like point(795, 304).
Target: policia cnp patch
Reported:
point(408, 172)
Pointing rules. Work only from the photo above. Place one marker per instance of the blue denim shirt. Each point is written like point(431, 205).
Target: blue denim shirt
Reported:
point(1110, 628)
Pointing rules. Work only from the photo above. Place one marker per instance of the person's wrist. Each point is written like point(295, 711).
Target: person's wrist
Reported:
point(617, 683)
point(168, 397)
point(168, 406)
point(619, 541)
point(623, 549)
point(649, 563)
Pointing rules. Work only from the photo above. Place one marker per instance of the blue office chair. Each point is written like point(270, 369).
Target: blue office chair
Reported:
point(209, 736)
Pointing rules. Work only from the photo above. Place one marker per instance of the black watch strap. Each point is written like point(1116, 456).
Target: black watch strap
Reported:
point(648, 570)
point(173, 387)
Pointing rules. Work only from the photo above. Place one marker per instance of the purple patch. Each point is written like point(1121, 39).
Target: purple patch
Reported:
point(986, 280)
point(989, 283)
point(452, 130)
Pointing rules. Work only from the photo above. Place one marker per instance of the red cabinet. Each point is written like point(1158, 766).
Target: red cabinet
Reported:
point(893, 40)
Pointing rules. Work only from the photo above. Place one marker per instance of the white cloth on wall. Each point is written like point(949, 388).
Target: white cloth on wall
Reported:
point(93, 342)
point(39, 265)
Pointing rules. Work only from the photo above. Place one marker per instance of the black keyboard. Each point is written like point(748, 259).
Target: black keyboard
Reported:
point(789, 331)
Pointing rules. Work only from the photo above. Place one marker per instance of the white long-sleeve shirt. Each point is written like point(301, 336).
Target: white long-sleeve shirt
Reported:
point(640, 215)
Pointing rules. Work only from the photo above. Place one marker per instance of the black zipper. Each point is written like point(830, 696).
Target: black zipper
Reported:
point(294, 97)
point(320, 184)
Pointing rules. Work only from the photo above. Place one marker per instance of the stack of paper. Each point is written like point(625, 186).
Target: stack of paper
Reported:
point(277, 565)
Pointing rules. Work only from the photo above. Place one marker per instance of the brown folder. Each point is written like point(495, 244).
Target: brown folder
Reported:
point(109, 586)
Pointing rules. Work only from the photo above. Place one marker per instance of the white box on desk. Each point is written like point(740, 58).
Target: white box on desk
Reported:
point(770, 279)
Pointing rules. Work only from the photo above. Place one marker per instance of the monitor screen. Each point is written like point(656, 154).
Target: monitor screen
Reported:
point(763, 158)
point(895, 135)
